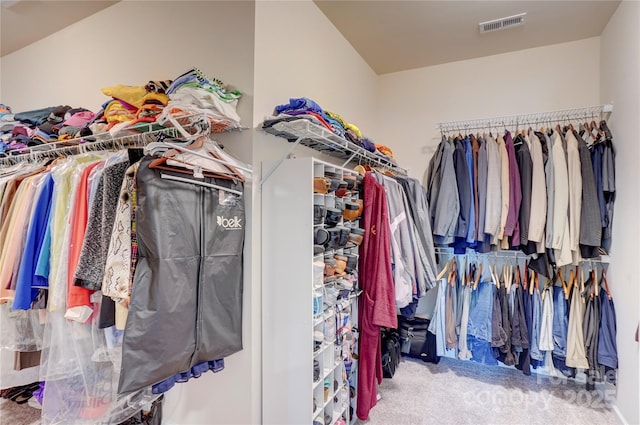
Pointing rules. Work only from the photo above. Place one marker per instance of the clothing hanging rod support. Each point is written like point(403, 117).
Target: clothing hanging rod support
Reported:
point(280, 161)
point(527, 119)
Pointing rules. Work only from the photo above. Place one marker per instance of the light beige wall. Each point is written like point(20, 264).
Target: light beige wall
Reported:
point(620, 84)
point(410, 103)
point(131, 43)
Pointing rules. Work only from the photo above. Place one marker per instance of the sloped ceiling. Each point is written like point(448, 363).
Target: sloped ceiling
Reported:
point(399, 35)
point(23, 22)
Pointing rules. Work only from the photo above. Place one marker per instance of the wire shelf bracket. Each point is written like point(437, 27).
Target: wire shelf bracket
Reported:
point(306, 133)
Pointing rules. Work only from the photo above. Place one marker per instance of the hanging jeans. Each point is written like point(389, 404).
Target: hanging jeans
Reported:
point(481, 312)
point(464, 353)
point(536, 323)
point(480, 327)
point(186, 302)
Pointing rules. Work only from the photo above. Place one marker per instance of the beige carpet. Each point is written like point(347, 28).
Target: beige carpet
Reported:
point(456, 392)
point(18, 414)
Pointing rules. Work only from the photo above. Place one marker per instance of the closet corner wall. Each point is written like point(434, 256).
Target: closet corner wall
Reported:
point(287, 338)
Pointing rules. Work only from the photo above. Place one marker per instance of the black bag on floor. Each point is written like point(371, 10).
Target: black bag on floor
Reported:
point(416, 340)
point(390, 352)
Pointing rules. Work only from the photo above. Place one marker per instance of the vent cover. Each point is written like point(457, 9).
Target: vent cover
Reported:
point(502, 23)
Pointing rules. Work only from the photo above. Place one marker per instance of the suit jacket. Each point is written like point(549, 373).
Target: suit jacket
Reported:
point(550, 186)
point(442, 193)
point(493, 189)
point(525, 169)
point(464, 189)
point(590, 224)
point(575, 193)
point(538, 215)
point(512, 227)
point(504, 183)
point(561, 242)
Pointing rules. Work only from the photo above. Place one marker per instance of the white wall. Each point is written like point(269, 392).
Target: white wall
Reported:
point(410, 103)
point(300, 53)
point(620, 84)
point(131, 43)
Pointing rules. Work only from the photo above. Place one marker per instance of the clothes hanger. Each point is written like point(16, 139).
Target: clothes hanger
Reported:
point(519, 278)
point(572, 277)
point(475, 284)
point(192, 149)
point(443, 271)
point(494, 276)
point(606, 283)
point(452, 272)
point(161, 163)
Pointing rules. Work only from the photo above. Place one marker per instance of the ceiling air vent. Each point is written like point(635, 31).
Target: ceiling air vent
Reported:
point(502, 23)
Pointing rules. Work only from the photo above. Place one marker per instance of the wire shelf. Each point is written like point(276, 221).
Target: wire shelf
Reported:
point(137, 135)
point(316, 137)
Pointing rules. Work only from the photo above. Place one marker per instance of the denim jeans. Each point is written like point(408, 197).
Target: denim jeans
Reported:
point(481, 351)
point(536, 321)
point(437, 325)
point(560, 324)
point(481, 312)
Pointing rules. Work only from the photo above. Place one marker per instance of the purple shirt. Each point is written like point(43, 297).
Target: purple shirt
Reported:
point(512, 227)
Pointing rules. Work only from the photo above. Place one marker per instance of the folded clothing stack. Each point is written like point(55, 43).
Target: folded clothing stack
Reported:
point(190, 93)
point(194, 92)
point(31, 128)
point(305, 108)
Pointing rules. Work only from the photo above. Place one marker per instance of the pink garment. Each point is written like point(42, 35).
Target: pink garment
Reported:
point(377, 305)
point(79, 119)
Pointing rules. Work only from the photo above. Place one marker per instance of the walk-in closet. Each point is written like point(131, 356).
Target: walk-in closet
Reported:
point(319, 212)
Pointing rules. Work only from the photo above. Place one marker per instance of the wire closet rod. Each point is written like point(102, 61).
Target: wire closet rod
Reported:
point(506, 254)
point(534, 118)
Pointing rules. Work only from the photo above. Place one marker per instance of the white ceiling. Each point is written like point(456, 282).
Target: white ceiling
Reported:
point(399, 35)
point(23, 22)
point(390, 35)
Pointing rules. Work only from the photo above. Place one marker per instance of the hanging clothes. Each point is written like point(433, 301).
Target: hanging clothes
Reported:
point(402, 242)
point(512, 227)
point(376, 306)
point(590, 328)
point(575, 194)
point(538, 214)
point(493, 188)
point(525, 168)
point(546, 325)
point(576, 355)
point(590, 225)
point(607, 347)
point(465, 193)
point(483, 239)
point(463, 350)
point(442, 193)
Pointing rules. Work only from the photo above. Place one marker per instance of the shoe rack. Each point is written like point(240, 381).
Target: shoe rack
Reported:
point(310, 242)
